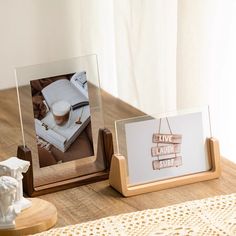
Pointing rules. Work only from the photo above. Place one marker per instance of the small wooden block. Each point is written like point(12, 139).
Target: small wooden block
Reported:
point(166, 138)
point(165, 149)
point(41, 216)
point(166, 163)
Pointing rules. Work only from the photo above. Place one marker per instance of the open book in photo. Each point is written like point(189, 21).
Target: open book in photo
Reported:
point(70, 90)
point(79, 80)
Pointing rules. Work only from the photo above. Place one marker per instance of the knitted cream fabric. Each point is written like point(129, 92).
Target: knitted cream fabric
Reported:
point(211, 216)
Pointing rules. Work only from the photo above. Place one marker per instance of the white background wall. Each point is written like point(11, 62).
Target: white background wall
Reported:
point(39, 31)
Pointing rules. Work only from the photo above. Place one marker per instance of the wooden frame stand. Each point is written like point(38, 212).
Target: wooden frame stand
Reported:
point(119, 180)
point(41, 216)
point(104, 154)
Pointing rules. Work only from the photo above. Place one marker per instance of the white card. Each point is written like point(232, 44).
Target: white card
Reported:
point(183, 154)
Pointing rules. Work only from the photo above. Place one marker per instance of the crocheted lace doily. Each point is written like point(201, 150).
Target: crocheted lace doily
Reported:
point(211, 216)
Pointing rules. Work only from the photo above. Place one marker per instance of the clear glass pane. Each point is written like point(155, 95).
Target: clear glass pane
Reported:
point(61, 111)
point(163, 146)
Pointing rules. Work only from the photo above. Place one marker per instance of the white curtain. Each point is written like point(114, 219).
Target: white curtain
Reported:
point(206, 64)
point(159, 55)
point(136, 45)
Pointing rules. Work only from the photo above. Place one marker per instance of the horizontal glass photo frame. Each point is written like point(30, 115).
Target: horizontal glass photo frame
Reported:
point(165, 146)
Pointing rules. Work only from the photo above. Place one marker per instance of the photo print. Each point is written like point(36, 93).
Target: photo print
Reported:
point(62, 118)
point(166, 147)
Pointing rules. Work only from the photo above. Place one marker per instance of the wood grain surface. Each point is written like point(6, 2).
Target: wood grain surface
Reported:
point(98, 200)
point(42, 215)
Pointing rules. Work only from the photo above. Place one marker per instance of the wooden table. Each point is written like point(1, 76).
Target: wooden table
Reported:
point(98, 200)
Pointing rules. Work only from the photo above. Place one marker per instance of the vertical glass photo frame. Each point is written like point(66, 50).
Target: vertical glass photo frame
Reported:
point(62, 121)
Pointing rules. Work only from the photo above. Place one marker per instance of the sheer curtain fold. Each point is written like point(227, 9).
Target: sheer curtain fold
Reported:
point(206, 55)
point(169, 54)
point(136, 45)
point(146, 53)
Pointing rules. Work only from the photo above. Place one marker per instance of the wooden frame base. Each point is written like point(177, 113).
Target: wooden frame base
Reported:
point(41, 216)
point(119, 180)
point(104, 153)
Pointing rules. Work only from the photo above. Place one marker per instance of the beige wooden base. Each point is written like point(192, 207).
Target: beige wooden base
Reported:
point(41, 216)
point(119, 180)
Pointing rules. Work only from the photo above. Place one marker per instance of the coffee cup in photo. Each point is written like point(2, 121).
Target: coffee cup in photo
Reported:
point(61, 112)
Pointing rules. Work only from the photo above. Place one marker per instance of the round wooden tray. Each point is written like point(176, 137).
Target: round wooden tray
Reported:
point(41, 216)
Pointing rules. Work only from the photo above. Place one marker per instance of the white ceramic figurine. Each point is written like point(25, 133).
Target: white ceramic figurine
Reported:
point(8, 211)
point(14, 167)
